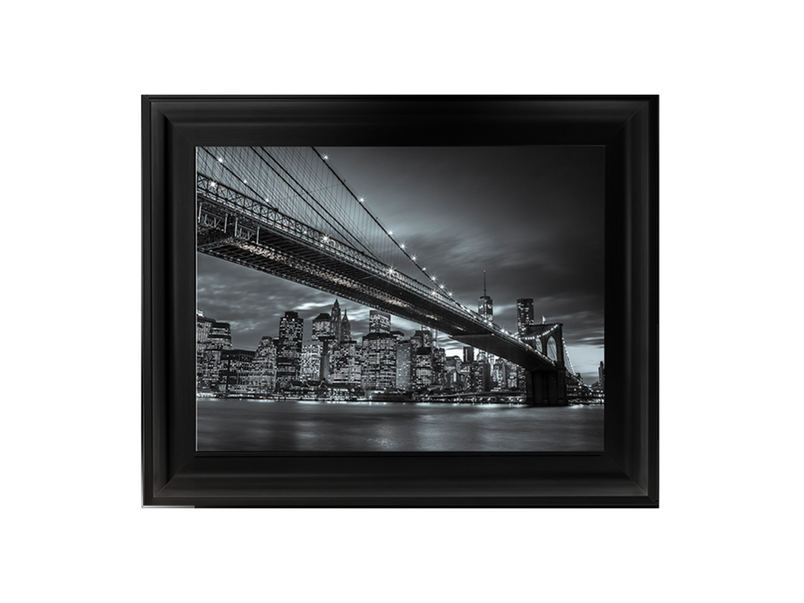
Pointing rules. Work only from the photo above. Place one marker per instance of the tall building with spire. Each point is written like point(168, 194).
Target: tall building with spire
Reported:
point(335, 317)
point(601, 375)
point(346, 329)
point(485, 307)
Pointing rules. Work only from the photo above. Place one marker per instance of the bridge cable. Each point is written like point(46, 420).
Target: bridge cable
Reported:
point(430, 279)
point(228, 169)
point(295, 160)
point(290, 187)
point(345, 231)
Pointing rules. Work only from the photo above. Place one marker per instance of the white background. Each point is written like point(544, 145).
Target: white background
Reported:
point(729, 76)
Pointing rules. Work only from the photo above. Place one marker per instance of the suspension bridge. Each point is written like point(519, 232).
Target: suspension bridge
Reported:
point(287, 212)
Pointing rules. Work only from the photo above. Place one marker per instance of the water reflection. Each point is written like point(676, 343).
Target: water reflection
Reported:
point(316, 426)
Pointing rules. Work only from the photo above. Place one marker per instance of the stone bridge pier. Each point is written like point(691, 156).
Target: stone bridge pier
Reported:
point(546, 388)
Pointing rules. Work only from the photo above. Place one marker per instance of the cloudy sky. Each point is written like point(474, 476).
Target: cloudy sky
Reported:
point(531, 217)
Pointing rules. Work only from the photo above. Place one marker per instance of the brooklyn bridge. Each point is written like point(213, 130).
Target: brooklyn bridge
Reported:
point(288, 212)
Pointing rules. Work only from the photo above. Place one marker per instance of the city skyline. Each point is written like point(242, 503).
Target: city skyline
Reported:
point(384, 359)
point(355, 333)
point(531, 217)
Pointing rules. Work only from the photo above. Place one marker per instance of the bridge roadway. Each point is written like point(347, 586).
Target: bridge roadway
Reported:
point(240, 229)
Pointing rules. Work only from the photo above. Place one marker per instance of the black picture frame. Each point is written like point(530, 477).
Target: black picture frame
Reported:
point(624, 474)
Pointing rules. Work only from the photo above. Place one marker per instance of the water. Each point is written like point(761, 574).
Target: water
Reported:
point(263, 425)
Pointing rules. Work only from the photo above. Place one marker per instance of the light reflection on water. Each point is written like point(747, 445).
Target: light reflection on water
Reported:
point(318, 426)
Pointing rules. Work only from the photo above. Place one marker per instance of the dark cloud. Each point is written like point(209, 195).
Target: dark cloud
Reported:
point(531, 217)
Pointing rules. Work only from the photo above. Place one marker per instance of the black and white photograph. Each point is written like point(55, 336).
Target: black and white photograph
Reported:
point(400, 298)
point(323, 302)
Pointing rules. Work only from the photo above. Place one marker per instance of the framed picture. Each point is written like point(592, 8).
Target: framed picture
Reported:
point(400, 301)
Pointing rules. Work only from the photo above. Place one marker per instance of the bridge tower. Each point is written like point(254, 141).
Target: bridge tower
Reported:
point(546, 387)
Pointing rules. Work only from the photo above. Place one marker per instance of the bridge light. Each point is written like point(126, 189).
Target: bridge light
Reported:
point(362, 200)
point(326, 156)
point(414, 258)
point(402, 245)
point(213, 184)
point(245, 182)
point(220, 159)
point(390, 232)
point(442, 286)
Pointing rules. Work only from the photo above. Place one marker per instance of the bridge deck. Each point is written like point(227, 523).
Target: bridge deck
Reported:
point(238, 229)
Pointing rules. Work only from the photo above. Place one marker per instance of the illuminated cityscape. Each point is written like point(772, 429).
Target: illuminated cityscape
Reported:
point(381, 365)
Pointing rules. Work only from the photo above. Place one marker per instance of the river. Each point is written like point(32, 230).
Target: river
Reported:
point(302, 426)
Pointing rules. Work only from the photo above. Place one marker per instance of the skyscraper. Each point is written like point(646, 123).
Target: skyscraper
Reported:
point(512, 375)
point(465, 382)
point(524, 314)
point(202, 328)
point(322, 326)
point(344, 366)
point(468, 354)
point(379, 322)
point(329, 345)
point(311, 360)
point(335, 317)
point(346, 329)
point(403, 365)
point(439, 366)
point(220, 336)
point(452, 371)
point(425, 337)
point(481, 376)
point(265, 366)
point(239, 374)
point(379, 371)
point(485, 307)
point(415, 342)
point(212, 339)
point(422, 361)
point(499, 374)
point(289, 347)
